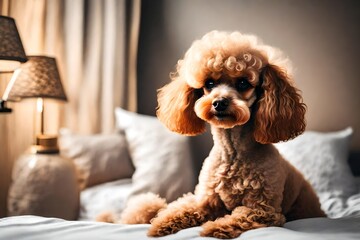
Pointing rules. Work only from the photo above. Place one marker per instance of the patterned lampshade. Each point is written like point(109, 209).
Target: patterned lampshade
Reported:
point(37, 78)
point(11, 48)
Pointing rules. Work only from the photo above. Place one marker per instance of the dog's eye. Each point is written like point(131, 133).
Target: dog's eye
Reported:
point(243, 84)
point(209, 84)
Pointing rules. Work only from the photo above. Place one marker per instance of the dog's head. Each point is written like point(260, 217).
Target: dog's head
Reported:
point(229, 79)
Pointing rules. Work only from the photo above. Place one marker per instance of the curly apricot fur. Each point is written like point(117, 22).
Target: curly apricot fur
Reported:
point(244, 182)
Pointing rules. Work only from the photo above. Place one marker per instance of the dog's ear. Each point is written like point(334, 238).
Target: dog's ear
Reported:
point(175, 109)
point(280, 113)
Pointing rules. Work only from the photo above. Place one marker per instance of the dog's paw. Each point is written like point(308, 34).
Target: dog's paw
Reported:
point(213, 229)
point(105, 217)
point(155, 231)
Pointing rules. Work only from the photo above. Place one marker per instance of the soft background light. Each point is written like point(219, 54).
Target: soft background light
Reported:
point(38, 78)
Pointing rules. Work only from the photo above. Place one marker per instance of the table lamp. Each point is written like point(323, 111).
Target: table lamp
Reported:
point(11, 51)
point(37, 78)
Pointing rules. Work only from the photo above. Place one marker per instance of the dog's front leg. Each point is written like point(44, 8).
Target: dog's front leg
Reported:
point(183, 213)
point(240, 220)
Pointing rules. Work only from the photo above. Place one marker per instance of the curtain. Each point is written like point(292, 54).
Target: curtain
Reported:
point(95, 45)
point(101, 69)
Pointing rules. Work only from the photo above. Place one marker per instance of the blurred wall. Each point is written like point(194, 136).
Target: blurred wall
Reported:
point(322, 38)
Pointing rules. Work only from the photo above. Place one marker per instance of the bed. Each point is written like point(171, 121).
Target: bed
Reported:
point(40, 228)
point(154, 159)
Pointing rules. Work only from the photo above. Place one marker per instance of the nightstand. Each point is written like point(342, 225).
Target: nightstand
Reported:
point(44, 185)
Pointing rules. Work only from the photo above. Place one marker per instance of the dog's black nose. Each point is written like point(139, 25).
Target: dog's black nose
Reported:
point(220, 104)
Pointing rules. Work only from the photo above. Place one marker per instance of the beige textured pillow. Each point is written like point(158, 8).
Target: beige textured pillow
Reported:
point(99, 158)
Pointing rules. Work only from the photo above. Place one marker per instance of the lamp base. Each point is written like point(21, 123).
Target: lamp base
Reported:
point(45, 144)
point(3, 108)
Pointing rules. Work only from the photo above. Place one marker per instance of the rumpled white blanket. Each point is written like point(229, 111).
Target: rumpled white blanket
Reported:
point(40, 228)
point(337, 207)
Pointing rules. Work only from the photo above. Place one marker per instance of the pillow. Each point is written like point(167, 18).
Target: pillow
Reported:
point(99, 158)
point(104, 197)
point(162, 159)
point(322, 158)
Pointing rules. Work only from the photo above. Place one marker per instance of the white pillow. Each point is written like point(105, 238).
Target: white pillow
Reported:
point(162, 159)
point(105, 197)
point(322, 158)
point(99, 158)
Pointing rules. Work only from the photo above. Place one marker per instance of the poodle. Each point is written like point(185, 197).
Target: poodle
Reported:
point(244, 90)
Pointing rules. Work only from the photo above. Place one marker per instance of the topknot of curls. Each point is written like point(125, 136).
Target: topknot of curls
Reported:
point(232, 66)
point(221, 52)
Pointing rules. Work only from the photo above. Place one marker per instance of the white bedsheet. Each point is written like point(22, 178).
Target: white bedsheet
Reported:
point(40, 228)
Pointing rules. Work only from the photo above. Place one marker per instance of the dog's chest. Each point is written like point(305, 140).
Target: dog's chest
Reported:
point(237, 184)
